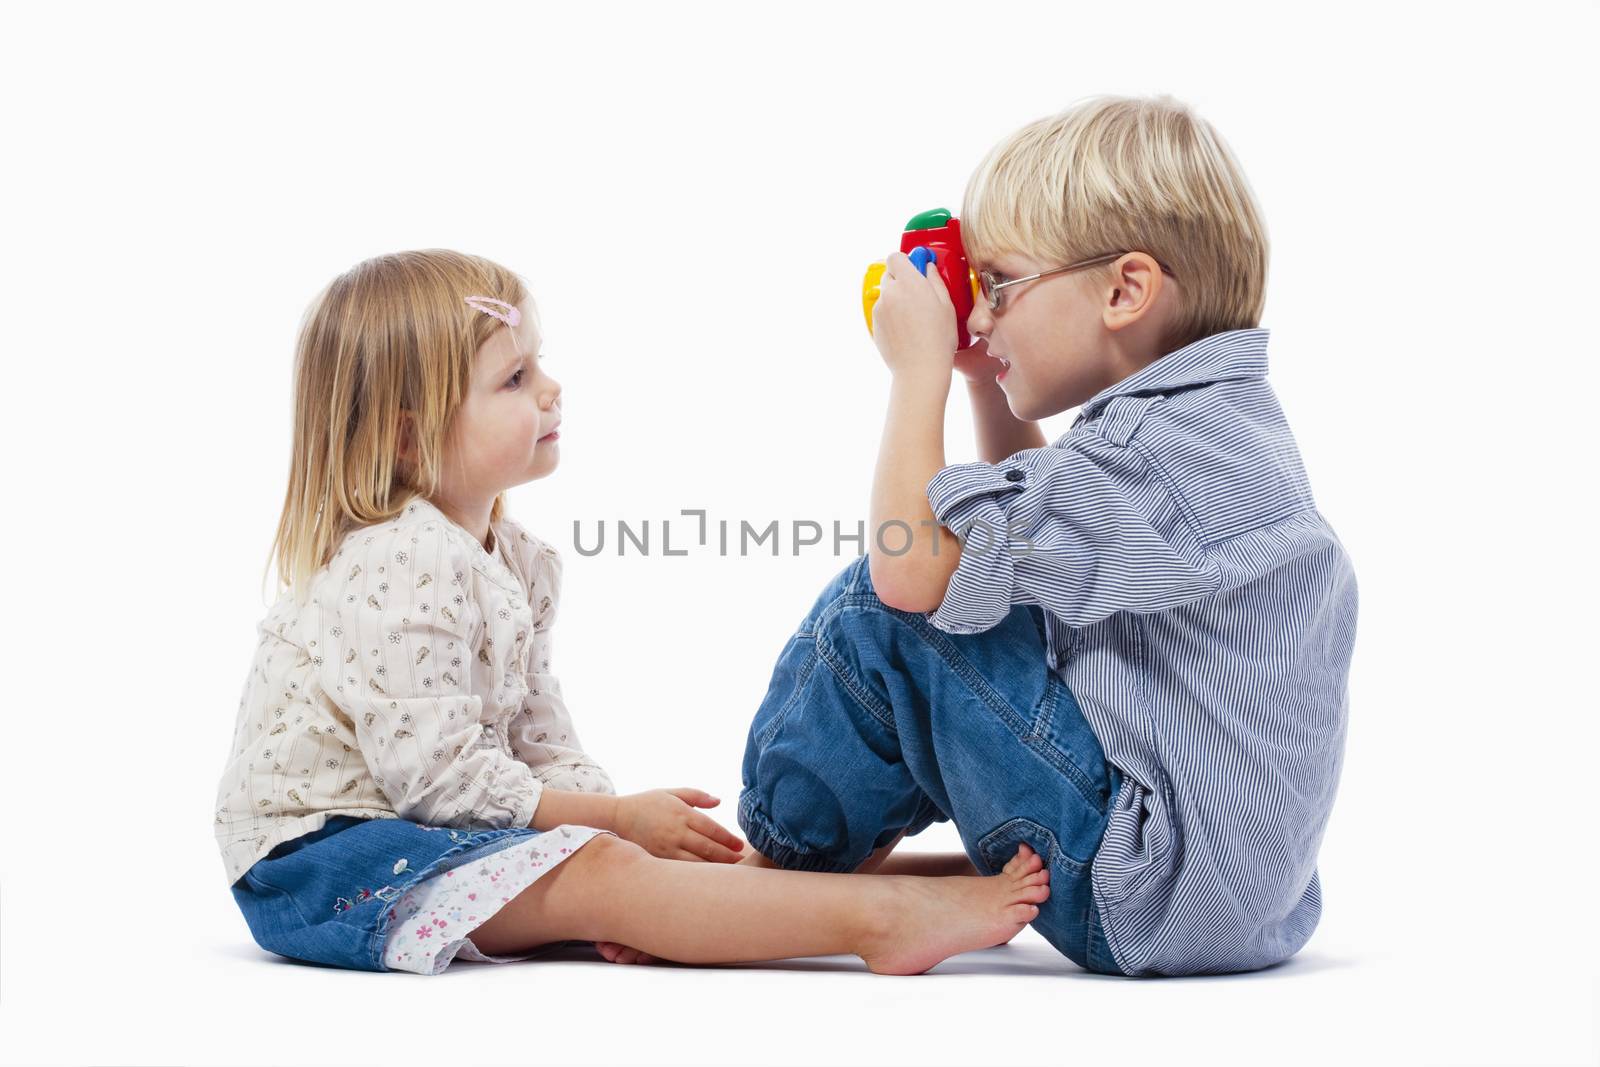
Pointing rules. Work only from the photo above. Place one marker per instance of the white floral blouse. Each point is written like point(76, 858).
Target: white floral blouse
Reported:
point(413, 682)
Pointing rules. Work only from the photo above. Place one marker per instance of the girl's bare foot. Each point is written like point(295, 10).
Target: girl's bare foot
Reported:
point(933, 919)
point(920, 921)
point(615, 953)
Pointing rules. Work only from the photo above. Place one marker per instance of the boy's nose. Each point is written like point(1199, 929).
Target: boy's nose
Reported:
point(980, 321)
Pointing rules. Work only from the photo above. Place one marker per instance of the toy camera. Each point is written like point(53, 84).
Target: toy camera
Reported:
point(935, 232)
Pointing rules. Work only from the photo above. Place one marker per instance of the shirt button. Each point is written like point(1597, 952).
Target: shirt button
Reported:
point(1014, 475)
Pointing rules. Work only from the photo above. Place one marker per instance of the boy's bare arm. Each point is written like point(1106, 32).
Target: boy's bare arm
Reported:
point(910, 453)
point(912, 556)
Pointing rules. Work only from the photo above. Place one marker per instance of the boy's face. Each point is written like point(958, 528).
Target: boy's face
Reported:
point(1067, 336)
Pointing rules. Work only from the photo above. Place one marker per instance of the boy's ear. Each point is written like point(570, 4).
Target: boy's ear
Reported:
point(1135, 283)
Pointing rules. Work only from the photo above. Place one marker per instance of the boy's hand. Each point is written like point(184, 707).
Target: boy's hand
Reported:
point(913, 321)
point(665, 823)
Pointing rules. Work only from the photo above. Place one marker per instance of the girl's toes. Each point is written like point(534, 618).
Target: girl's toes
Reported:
point(608, 949)
point(1026, 861)
point(1022, 913)
point(1034, 894)
point(1040, 877)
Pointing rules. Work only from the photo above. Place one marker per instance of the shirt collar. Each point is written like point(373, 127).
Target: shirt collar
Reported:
point(1226, 356)
point(496, 562)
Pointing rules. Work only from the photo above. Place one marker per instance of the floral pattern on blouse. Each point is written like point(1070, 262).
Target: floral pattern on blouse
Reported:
point(415, 681)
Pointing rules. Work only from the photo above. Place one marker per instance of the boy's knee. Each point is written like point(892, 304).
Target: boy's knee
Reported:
point(848, 579)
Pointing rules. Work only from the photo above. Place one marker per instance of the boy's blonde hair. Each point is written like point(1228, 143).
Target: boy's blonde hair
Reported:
point(390, 334)
point(1117, 174)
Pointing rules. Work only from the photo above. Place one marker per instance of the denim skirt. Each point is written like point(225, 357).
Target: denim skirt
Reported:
point(327, 897)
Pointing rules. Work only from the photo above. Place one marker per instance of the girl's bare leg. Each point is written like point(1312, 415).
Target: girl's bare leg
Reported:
point(924, 864)
point(613, 891)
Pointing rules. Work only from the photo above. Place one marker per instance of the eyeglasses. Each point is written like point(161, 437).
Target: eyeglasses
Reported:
point(994, 291)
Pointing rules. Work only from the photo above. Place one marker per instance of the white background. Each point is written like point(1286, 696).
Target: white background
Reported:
point(692, 193)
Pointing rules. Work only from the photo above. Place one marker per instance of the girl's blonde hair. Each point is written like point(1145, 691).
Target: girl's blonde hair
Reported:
point(390, 335)
point(1117, 174)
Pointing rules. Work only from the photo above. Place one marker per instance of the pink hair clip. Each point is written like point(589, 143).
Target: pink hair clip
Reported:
point(511, 316)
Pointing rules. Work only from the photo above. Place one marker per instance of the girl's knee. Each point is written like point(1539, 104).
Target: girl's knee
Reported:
point(603, 859)
point(611, 852)
point(560, 905)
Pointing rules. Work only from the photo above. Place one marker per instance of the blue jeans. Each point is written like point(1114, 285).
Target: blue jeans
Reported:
point(876, 722)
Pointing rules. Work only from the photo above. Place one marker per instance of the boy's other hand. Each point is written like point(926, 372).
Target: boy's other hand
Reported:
point(665, 823)
point(975, 363)
point(913, 320)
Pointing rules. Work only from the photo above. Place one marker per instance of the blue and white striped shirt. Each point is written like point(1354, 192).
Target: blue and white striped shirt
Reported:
point(1203, 612)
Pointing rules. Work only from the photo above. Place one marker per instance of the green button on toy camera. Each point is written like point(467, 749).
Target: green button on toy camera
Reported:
point(930, 220)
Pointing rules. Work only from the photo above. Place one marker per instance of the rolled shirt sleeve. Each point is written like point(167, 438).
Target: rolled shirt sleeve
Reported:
point(1084, 530)
point(416, 721)
point(542, 734)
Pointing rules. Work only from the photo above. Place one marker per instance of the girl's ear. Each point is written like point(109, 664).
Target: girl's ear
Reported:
point(407, 448)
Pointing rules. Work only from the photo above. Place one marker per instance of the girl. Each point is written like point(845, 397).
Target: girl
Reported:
point(405, 784)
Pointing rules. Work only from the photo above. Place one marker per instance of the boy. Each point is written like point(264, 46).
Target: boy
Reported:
point(1127, 649)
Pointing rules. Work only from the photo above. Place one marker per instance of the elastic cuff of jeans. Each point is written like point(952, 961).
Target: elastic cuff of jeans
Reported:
point(758, 830)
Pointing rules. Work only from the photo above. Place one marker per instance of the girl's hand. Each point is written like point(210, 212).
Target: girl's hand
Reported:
point(913, 321)
point(665, 824)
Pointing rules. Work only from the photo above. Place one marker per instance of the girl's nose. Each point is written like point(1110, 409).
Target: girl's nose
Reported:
point(549, 392)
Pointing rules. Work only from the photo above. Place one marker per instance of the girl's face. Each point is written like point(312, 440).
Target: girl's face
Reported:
point(505, 432)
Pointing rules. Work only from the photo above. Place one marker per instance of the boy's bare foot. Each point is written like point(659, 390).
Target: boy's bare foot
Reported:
point(932, 919)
